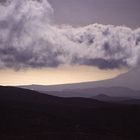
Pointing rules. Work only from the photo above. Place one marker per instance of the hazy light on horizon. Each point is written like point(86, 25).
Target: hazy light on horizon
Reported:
point(53, 76)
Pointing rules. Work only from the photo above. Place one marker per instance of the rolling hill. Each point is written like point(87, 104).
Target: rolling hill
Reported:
point(27, 114)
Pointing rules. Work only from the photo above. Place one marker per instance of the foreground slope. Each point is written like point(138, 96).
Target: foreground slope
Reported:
point(30, 115)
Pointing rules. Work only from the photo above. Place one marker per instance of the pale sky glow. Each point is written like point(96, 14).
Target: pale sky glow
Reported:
point(61, 75)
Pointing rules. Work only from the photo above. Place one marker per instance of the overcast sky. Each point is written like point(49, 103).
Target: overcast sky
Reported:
point(83, 12)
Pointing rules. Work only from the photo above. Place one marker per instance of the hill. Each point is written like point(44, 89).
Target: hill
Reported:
point(106, 98)
point(27, 114)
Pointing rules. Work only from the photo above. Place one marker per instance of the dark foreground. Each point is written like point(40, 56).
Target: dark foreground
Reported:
point(27, 115)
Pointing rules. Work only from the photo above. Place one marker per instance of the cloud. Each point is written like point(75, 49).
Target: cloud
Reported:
point(28, 38)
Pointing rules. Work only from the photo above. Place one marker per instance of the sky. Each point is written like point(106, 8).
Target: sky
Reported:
point(67, 41)
point(84, 12)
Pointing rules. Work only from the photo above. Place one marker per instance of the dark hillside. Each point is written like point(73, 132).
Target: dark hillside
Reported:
point(27, 115)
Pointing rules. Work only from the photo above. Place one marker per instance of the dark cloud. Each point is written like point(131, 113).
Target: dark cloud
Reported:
point(105, 64)
point(29, 39)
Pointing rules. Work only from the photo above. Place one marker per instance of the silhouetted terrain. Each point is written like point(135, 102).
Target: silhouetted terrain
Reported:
point(122, 100)
point(91, 92)
point(27, 115)
point(106, 98)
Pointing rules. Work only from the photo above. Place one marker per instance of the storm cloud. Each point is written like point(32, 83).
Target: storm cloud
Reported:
point(28, 38)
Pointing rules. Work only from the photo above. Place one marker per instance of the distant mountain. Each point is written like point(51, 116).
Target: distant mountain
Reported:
point(106, 98)
point(108, 91)
point(27, 114)
point(129, 80)
point(114, 92)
